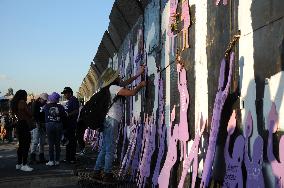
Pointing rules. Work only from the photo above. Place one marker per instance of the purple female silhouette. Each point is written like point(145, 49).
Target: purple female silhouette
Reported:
point(277, 167)
point(161, 133)
point(184, 101)
point(220, 98)
point(135, 161)
point(139, 56)
point(234, 177)
point(149, 148)
point(171, 157)
point(254, 165)
point(130, 150)
point(185, 17)
point(172, 21)
point(193, 156)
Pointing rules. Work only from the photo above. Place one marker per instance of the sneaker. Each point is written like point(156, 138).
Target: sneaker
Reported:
point(26, 168)
point(18, 166)
point(56, 163)
point(50, 163)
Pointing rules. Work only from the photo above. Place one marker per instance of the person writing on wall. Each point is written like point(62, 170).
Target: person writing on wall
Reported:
point(110, 78)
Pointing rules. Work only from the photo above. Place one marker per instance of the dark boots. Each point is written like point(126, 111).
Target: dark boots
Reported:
point(41, 158)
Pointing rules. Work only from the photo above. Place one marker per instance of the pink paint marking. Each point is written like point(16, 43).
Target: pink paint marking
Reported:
point(254, 166)
point(184, 101)
point(220, 98)
point(193, 156)
point(234, 176)
point(171, 157)
point(277, 167)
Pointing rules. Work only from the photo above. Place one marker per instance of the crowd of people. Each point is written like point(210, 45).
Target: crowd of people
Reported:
point(62, 125)
point(44, 118)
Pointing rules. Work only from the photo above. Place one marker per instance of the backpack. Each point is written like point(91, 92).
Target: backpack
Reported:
point(94, 112)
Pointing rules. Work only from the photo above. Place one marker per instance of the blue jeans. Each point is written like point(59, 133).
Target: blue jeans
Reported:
point(106, 155)
point(38, 137)
point(54, 131)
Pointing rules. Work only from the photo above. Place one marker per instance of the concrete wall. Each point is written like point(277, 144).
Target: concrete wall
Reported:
point(257, 78)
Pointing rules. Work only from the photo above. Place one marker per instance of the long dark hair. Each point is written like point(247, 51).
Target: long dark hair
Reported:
point(20, 95)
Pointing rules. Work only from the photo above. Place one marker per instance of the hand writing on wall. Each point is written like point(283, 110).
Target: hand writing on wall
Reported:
point(233, 177)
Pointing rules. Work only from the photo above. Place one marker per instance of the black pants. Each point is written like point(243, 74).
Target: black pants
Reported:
point(80, 130)
point(24, 138)
point(71, 146)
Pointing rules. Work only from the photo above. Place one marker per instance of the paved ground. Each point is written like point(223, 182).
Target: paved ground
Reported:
point(42, 176)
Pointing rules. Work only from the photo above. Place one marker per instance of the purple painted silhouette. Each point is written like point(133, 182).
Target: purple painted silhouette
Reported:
point(220, 98)
point(139, 56)
point(184, 101)
point(124, 134)
point(185, 17)
point(149, 148)
point(193, 155)
point(225, 2)
point(254, 165)
point(161, 133)
point(171, 157)
point(277, 167)
point(172, 21)
point(135, 161)
point(234, 177)
point(130, 150)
